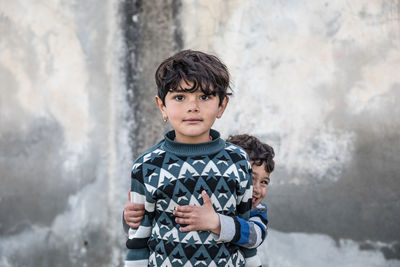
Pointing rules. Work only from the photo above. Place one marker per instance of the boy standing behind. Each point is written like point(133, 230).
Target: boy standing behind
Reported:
point(247, 234)
point(190, 160)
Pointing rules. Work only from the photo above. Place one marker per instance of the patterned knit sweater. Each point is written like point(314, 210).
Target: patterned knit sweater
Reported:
point(171, 174)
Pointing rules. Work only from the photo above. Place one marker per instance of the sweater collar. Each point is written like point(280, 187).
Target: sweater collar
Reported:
point(184, 149)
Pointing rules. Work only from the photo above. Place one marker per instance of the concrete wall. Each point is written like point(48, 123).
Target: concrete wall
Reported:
point(63, 139)
point(317, 80)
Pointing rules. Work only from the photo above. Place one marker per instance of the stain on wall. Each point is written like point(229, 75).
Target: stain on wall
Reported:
point(317, 80)
point(60, 99)
point(152, 33)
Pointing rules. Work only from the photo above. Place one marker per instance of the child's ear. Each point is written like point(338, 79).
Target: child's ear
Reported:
point(222, 107)
point(161, 106)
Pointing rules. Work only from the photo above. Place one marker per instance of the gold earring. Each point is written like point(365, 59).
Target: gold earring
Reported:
point(165, 119)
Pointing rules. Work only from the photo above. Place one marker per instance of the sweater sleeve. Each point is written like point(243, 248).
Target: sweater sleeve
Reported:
point(138, 252)
point(250, 234)
point(244, 194)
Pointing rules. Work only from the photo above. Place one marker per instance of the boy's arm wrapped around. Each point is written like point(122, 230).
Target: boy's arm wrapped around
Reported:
point(244, 199)
point(249, 234)
point(138, 251)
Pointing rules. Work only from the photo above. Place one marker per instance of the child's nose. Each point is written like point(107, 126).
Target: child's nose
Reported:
point(256, 187)
point(193, 105)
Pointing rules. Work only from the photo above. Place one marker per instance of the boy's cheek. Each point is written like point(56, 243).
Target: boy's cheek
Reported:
point(264, 192)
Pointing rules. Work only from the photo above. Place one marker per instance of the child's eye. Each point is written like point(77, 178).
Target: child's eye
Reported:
point(179, 97)
point(204, 97)
point(265, 182)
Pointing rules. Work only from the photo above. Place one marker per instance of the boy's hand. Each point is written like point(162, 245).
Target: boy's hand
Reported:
point(203, 218)
point(133, 213)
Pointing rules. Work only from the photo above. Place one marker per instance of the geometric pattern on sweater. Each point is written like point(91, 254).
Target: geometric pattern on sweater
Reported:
point(171, 174)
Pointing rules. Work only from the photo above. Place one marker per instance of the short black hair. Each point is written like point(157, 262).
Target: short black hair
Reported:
point(205, 71)
point(258, 151)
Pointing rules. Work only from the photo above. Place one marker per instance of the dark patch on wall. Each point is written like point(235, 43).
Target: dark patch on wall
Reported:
point(35, 187)
point(152, 33)
point(392, 252)
point(364, 204)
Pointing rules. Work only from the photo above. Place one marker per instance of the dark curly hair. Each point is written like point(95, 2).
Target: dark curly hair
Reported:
point(258, 151)
point(205, 71)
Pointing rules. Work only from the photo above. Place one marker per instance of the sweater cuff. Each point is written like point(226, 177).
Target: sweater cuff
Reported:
point(137, 257)
point(253, 261)
point(139, 263)
point(227, 229)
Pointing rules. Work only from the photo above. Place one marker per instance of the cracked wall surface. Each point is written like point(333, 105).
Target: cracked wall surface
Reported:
point(318, 80)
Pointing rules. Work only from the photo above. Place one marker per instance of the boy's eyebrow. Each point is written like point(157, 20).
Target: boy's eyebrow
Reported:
point(211, 92)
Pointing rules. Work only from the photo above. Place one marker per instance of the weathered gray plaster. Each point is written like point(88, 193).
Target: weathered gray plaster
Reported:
point(152, 33)
point(63, 140)
point(317, 80)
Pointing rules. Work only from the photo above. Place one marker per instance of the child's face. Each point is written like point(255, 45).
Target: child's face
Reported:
point(191, 114)
point(260, 183)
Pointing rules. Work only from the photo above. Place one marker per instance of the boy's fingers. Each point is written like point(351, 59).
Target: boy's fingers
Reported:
point(133, 222)
point(188, 228)
point(185, 229)
point(184, 221)
point(135, 219)
point(180, 214)
point(133, 207)
point(134, 210)
point(134, 214)
point(185, 208)
point(133, 225)
point(137, 207)
point(206, 198)
point(138, 212)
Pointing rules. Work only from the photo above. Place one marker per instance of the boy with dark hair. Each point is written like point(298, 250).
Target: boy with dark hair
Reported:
point(248, 234)
point(190, 160)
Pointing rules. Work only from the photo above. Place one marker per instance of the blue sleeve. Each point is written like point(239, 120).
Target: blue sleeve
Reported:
point(251, 233)
point(245, 233)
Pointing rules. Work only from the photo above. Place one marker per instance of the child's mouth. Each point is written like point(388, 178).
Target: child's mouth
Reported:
point(192, 120)
point(254, 201)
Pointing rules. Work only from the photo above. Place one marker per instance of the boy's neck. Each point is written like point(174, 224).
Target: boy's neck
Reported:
point(193, 140)
point(192, 149)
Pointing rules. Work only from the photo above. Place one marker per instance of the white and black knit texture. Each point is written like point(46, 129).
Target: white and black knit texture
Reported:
point(171, 174)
